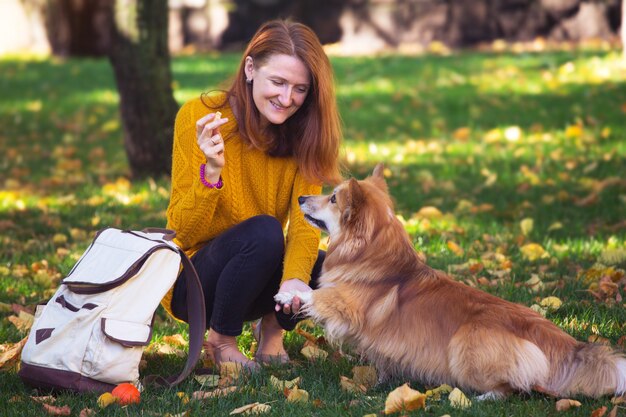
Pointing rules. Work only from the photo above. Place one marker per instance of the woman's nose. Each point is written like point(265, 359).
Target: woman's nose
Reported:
point(285, 97)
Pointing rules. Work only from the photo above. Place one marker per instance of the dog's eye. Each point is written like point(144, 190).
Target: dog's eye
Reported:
point(333, 199)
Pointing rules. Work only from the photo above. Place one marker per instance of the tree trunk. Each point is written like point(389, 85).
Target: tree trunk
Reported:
point(141, 63)
point(623, 28)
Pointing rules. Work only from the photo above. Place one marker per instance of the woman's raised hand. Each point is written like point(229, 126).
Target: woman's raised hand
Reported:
point(211, 143)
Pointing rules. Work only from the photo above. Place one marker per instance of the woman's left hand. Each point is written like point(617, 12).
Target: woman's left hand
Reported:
point(292, 285)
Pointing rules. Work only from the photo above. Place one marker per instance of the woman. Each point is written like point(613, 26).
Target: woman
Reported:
point(236, 180)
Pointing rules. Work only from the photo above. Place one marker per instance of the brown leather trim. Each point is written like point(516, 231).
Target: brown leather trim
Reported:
point(55, 380)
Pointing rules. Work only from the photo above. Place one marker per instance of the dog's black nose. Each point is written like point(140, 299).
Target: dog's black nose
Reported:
point(301, 199)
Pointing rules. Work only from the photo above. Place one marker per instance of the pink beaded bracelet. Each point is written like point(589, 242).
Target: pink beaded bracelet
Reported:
point(207, 184)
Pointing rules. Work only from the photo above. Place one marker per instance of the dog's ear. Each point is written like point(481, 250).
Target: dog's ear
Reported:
point(354, 200)
point(378, 177)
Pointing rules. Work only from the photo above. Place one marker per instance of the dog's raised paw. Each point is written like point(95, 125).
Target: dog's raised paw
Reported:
point(287, 297)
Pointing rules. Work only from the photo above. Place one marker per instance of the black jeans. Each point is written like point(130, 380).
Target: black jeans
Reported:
point(240, 271)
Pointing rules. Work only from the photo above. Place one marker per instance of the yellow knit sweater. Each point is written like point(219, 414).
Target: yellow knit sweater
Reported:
point(254, 184)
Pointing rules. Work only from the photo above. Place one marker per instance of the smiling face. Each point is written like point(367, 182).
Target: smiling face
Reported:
point(279, 86)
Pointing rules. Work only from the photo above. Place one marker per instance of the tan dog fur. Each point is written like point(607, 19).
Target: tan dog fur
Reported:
point(408, 319)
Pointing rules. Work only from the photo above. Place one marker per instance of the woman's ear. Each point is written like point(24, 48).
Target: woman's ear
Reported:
point(249, 68)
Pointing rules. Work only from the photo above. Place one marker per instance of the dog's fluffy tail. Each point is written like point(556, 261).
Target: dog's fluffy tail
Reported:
point(593, 370)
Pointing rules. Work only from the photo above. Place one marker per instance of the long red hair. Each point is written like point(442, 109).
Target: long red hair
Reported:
point(313, 134)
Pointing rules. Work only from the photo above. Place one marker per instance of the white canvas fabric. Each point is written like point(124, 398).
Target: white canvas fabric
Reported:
point(92, 332)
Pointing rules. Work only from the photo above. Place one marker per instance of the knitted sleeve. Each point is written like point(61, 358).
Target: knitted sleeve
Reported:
point(192, 205)
point(303, 240)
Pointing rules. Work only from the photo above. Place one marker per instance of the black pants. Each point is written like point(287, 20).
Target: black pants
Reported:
point(240, 271)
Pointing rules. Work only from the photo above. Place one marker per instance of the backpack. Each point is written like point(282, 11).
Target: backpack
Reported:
point(91, 334)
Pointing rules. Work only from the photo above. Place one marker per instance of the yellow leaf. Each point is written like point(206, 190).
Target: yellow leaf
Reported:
point(404, 398)
point(429, 212)
point(23, 321)
point(349, 385)
point(454, 248)
point(533, 252)
point(202, 395)
point(553, 303)
point(436, 392)
point(254, 408)
point(183, 397)
point(207, 380)
point(565, 404)
point(365, 375)
point(555, 226)
point(527, 226)
point(297, 395)
point(458, 399)
point(175, 340)
point(10, 353)
point(573, 131)
point(281, 385)
point(314, 353)
point(462, 134)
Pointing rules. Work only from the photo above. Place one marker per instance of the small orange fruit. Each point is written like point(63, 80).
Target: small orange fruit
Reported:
point(126, 393)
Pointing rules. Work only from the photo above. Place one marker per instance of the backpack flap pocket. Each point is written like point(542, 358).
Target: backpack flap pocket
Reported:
point(112, 259)
point(127, 333)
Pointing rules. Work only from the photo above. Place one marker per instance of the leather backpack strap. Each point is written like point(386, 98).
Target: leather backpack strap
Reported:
point(196, 316)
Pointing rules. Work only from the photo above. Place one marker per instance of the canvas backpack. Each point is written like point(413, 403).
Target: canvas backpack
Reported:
point(91, 334)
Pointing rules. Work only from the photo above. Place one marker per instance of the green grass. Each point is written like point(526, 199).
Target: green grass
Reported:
point(488, 139)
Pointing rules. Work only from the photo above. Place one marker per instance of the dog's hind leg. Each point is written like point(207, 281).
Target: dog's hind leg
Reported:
point(494, 361)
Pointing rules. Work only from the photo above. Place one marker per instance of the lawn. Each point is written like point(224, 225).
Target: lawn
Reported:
point(507, 169)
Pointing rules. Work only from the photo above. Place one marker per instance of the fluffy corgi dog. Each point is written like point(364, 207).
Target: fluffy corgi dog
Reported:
point(377, 295)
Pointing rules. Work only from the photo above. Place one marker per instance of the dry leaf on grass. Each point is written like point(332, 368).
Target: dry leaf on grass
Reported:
point(314, 353)
point(297, 395)
point(203, 395)
point(534, 251)
point(565, 404)
point(254, 408)
point(87, 412)
point(230, 369)
point(175, 340)
point(23, 321)
point(435, 393)
point(553, 303)
point(207, 380)
point(57, 411)
point(281, 385)
point(365, 375)
point(599, 412)
point(349, 385)
point(458, 399)
point(404, 398)
point(10, 354)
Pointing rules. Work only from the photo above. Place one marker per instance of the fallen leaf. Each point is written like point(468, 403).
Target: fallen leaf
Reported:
point(202, 395)
point(10, 354)
point(429, 212)
point(175, 340)
point(57, 411)
point(404, 398)
point(349, 385)
point(297, 395)
point(599, 412)
point(526, 225)
point(436, 392)
point(254, 408)
point(365, 375)
point(87, 412)
point(207, 380)
point(535, 283)
point(458, 399)
point(533, 251)
point(23, 321)
point(565, 404)
point(184, 398)
point(314, 353)
point(552, 303)
point(455, 248)
point(281, 385)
